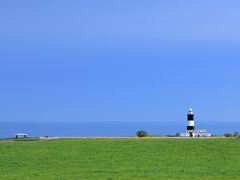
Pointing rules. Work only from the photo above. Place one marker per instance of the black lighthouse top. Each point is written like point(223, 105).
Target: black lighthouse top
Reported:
point(190, 115)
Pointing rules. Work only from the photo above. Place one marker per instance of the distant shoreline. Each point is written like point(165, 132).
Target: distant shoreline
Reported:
point(129, 137)
point(39, 139)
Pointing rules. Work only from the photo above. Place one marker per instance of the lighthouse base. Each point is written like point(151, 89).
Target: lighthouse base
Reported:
point(195, 133)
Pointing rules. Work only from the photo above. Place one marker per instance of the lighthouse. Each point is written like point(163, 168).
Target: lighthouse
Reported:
point(190, 124)
point(191, 131)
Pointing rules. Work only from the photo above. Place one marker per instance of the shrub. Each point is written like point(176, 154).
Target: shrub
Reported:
point(235, 134)
point(228, 135)
point(141, 133)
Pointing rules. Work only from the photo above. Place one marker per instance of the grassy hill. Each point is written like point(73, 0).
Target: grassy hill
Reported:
point(160, 158)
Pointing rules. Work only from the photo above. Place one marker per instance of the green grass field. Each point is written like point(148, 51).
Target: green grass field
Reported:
point(160, 158)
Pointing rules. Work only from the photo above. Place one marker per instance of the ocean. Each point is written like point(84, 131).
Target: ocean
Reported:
point(111, 128)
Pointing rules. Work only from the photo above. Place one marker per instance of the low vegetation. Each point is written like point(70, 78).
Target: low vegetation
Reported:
point(235, 134)
point(129, 158)
point(228, 135)
point(141, 133)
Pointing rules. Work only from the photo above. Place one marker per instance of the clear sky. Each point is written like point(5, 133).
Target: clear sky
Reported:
point(92, 60)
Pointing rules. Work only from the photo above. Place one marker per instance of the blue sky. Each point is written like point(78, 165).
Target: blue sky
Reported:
point(119, 60)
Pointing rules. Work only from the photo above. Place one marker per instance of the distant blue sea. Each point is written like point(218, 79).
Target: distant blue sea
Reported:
point(106, 128)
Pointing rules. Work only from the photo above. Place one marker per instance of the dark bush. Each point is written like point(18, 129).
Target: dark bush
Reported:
point(235, 134)
point(228, 135)
point(141, 133)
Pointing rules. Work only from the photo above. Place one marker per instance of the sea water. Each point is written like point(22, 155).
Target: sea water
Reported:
point(111, 128)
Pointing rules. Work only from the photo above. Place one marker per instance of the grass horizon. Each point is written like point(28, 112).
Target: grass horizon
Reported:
point(121, 158)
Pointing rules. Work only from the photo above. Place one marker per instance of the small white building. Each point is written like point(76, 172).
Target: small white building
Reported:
point(21, 135)
point(195, 133)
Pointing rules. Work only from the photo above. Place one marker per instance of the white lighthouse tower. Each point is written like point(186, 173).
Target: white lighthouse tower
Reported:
point(190, 124)
point(191, 131)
